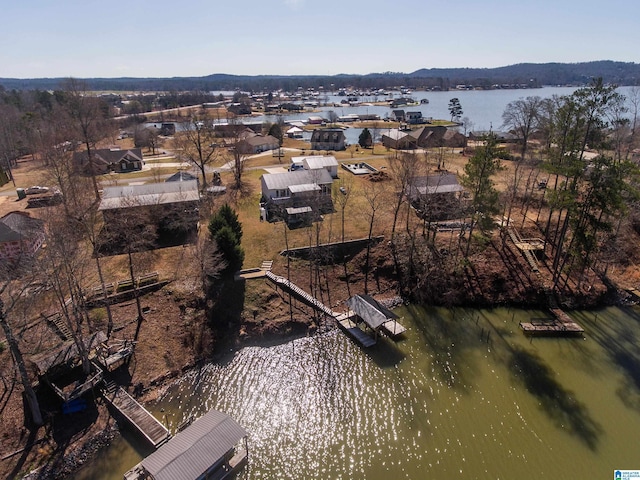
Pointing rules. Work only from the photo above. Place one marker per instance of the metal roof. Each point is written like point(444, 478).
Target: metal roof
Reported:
point(319, 161)
point(430, 190)
point(196, 449)
point(298, 210)
point(370, 311)
point(443, 183)
point(305, 187)
point(281, 181)
point(149, 194)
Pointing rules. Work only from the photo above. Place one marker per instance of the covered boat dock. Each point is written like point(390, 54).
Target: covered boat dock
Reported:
point(212, 447)
point(375, 315)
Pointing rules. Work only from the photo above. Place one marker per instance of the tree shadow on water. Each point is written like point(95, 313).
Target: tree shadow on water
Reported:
point(560, 404)
point(619, 338)
point(452, 341)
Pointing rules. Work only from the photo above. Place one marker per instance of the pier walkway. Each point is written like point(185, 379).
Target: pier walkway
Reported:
point(301, 294)
point(345, 321)
point(526, 246)
point(154, 431)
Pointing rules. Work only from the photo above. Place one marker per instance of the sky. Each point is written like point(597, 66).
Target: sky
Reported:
point(184, 38)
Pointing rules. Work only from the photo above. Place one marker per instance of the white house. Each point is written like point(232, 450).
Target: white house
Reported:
point(313, 162)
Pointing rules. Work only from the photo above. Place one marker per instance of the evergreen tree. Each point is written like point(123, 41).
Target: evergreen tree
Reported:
point(276, 131)
point(226, 230)
point(455, 109)
point(225, 216)
point(365, 140)
point(478, 180)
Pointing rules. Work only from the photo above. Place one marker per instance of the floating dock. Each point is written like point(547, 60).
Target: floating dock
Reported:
point(561, 324)
point(350, 327)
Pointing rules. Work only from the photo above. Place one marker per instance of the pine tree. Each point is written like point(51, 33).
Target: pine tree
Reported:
point(365, 140)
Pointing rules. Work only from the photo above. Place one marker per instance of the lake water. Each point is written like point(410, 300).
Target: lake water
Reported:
point(464, 395)
point(483, 108)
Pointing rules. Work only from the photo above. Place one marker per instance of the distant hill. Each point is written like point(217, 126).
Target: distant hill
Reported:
point(523, 74)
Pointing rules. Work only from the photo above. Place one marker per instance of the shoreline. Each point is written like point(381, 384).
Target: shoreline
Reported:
point(87, 449)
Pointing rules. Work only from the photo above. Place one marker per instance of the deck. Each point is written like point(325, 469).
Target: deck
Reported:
point(138, 416)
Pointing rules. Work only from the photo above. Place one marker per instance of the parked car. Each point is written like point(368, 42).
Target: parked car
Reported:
point(36, 190)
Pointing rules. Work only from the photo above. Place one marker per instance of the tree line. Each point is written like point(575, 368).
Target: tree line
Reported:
point(528, 74)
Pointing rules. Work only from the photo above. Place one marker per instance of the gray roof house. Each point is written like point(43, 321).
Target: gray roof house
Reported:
point(313, 162)
point(436, 197)
point(309, 190)
point(109, 160)
point(170, 203)
point(21, 236)
point(181, 176)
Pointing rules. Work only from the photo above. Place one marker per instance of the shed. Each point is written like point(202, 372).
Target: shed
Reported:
point(205, 449)
point(294, 132)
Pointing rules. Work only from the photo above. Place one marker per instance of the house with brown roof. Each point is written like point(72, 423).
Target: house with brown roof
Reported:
point(21, 236)
point(328, 139)
point(424, 137)
point(439, 136)
point(107, 160)
point(255, 143)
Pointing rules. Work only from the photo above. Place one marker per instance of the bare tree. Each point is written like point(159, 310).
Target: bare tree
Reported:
point(375, 197)
point(132, 230)
point(80, 207)
point(523, 117)
point(89, 118)
point(238, 157)
point(16, 352)
point(197, 144)
point(209, 261)
point(147, 137)
point(66, 261)
point(9, 139)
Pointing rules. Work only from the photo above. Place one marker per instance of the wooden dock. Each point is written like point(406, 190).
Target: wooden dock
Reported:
point(344, 320)
point(154, 431)
point(392, 328)
point(560, 324)
point(350, 327)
